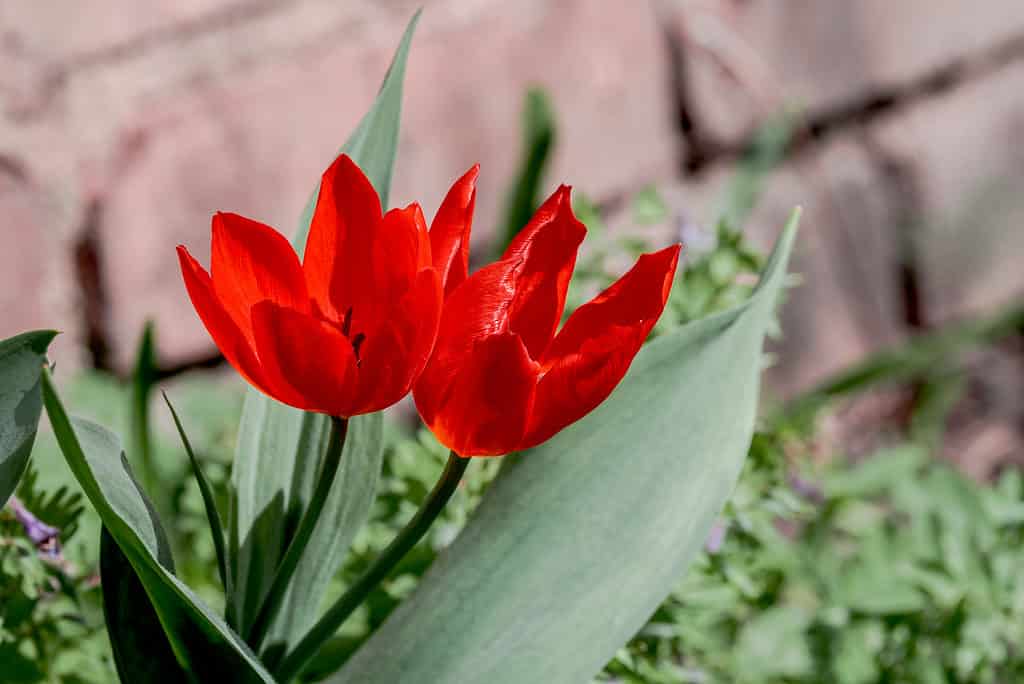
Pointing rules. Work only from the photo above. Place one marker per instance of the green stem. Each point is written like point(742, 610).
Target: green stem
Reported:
point(336, 615)
point(274, 598)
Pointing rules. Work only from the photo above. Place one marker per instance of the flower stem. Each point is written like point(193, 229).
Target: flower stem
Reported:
point(275, 595)
point(336, 615)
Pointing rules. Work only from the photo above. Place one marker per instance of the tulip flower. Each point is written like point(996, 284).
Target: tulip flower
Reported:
point(345, 332)
point(500, 379)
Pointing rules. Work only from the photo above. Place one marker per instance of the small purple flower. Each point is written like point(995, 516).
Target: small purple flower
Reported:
point(36, 530)
point(806, 489)
point(716, 538)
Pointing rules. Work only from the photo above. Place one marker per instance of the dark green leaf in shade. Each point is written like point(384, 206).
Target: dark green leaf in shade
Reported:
point(141, 650)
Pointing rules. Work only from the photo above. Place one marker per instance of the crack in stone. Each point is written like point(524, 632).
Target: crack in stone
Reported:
point(54, 77)
point(92, 289)
point(857, 112)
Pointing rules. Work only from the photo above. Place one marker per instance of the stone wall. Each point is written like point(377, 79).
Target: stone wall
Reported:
point(125, 124)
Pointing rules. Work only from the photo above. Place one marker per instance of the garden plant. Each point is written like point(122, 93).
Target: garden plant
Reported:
point(588, 492)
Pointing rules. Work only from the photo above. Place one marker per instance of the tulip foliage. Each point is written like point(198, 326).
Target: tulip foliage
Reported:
point(613, 450)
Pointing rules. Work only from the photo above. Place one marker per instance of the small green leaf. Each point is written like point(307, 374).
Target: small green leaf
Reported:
point(21, 362)
point(202, 643)
point(773, 645)
point(649, 207)
point(578, 541)
point(210, 503)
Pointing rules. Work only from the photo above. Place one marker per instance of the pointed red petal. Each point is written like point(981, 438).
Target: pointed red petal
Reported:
point(481, 409)
point(476, 310)
point(251, 262)
point(340, 236)
point(308, 358)
point(399, 249)
point(592, 353)
point(225, 333)
point(392, 357)
point(545, 251)
point(449, 233)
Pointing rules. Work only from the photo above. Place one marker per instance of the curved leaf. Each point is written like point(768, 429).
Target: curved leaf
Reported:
point(280, 448)
point(141, 650)
point(21, 363)
point(579, 540)
point(202, 643)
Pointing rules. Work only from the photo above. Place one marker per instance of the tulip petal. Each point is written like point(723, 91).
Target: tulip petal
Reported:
point(310, 362)
point(341, 235)
point(476, 310)
point(482, 409)
point(449, 233)
point(251, 262)
point(545, 251)
point(400, 249)
point(593, 351)
point(222, 328)
point(392, 357)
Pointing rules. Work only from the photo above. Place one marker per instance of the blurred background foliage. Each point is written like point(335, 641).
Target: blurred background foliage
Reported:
point(850, 561)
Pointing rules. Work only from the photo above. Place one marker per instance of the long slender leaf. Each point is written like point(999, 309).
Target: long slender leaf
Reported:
point(21, 363)
point(140, 444)
point(210, 503)
point(579, 540)
point(202, 643)
point(280, 448)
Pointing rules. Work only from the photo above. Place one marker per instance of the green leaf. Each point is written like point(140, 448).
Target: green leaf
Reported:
point(140, 445)
point(280, 448)
point(538, 142)
point(579, 540)
point(210, 504)
point(141, 650)
point(202, 642)
point(22, 358)
point(374, 142)
point(773, 644)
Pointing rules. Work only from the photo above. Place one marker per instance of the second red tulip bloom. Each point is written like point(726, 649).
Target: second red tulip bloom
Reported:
point(500, 379)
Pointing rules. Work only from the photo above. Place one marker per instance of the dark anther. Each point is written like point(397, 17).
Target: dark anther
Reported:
point(357, 342)
point(346, 322)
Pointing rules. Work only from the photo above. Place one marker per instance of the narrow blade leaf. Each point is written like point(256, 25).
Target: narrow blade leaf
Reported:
point(21, 364)
point(209, 502)
point(579, 540)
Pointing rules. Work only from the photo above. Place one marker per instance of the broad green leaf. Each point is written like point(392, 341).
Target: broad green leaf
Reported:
point(21, 363)
point(579, 540)
point(280, 448)
point(202, 643)
point(141, 650)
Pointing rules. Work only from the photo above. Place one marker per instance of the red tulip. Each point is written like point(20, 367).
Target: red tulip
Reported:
point(500, 379)
point(345, 332)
